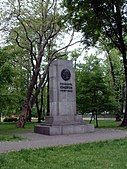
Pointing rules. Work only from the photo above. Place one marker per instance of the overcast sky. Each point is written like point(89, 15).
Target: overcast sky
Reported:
point(63, 41)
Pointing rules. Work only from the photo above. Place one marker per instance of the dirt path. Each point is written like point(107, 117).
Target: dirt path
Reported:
point(34, 140)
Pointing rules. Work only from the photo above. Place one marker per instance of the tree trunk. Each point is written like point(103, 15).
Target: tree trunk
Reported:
point(124, 122)
point(39, 108)
point(48, 108)
point(30, 98)
point(122, 100)
point(23, 115)
point(38, 111)
point(26, 106)
point(112, 69)
point(96, 119)
point(29, 116)
point(92, 117)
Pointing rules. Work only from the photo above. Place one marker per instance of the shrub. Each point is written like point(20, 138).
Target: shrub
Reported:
point(10, 119)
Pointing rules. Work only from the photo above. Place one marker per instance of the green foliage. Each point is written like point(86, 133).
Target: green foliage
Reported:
point(94, 18)
point(6, 77)
point(13, 79)
point(6, 70)
point(107, 155)
point(93, 91)
point(116, 81)
point(97, 18)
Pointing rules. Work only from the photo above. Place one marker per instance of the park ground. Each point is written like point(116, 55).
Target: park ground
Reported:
point(104, 154)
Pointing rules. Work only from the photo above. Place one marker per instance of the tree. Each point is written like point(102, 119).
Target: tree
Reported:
point(95, 18)
point(13, 79)
point(74, 56)
point(114, 70)
point(6, 78)
point(115, 75)
point(36, 26)
point(94, 93)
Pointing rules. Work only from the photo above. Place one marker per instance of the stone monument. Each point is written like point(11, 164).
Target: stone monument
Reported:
point(62, 98)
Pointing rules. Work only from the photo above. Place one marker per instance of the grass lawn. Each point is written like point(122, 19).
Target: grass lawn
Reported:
point(8, 131)
point(102, 155)
point(10, 137)
point(11, 128)
point(107, 123)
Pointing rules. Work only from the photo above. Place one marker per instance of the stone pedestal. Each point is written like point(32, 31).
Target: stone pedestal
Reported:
point(62, 97)
point(60, 130)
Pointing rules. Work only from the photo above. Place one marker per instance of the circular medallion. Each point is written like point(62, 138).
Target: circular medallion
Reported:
point(65, 74)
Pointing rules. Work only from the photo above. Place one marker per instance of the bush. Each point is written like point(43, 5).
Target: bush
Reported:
point(10, 119)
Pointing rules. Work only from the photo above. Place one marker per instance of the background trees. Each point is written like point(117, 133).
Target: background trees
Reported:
point(94, 91)
point(96, 18)
point(6, 79)
point(13, 80)
point(34, 32)
point(36, 27)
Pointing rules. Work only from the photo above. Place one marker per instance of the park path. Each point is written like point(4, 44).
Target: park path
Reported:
point(34, 140)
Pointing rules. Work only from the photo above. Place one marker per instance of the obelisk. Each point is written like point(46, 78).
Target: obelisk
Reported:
point(62, 118)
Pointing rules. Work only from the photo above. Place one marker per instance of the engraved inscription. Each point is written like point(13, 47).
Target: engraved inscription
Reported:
point(66, 87)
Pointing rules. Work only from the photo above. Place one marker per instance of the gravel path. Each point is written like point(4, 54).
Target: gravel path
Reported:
point(34, 140)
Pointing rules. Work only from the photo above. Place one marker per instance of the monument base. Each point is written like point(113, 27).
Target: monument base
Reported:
point(62, 130)
point(65, 124)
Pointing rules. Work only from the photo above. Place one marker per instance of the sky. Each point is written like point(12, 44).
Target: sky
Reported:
point(63, 41)
point(84, 51)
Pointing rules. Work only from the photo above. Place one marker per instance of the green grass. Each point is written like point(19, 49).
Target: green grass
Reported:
point(107, 123)
point(10, 138)
point(8, 131)
point(11, 128)
point(102, 155)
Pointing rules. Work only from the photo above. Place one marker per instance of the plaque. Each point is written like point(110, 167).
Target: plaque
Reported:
point(65, 74)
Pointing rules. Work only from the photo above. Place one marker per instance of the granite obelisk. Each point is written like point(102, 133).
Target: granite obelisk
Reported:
point(62, 98)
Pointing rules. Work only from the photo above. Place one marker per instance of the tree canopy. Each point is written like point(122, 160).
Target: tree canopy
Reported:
point(94, 92)
point(97, 18)
point(34, 30)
